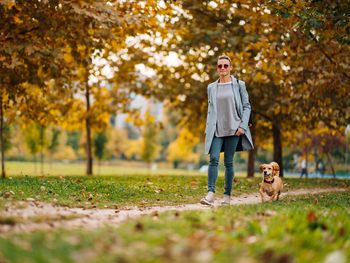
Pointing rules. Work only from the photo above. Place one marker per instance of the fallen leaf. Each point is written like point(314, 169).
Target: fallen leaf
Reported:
point(311, 217)
point(139, 227)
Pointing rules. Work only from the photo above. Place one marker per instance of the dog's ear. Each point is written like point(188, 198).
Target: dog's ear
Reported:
point(275, 166)
point(261, 167)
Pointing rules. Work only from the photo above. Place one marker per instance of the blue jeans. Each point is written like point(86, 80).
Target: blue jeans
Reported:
point(230, 144)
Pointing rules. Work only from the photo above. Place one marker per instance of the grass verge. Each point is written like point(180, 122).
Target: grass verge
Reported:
point(295, 229)
point(121, 191)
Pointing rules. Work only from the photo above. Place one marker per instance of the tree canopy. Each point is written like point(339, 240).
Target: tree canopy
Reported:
point(74, 63)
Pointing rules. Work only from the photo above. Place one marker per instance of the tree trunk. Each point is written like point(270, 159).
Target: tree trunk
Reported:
point(331, 163)
point(251, 156)
point(88, 133)
point(99, 166)
point(51, 161)
point(307, 161)
point(277, 144)
point(316, 161)
point(251, 160)
point(3, 173)
point(41, 150)
point(35, 168)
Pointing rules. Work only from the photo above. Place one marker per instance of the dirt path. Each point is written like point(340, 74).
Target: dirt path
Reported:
point(34, 215)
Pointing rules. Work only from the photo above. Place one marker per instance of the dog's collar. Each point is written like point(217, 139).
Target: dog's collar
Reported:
point(269, 182)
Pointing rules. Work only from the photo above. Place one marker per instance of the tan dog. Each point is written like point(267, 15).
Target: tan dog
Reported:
point(272, 185)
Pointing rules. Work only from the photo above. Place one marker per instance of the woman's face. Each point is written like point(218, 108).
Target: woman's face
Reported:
point(223, 67)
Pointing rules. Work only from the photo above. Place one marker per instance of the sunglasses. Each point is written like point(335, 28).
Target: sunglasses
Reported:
point(225, 66)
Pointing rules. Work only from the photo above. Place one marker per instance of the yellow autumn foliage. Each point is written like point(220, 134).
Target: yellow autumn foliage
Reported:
point(65, 153)
point(133, 149)
point(182, 148)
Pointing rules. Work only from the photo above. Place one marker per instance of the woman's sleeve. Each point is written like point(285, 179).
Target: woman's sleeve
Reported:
point(245, 104)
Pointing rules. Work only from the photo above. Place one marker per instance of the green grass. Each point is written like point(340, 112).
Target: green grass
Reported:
point(112, 191)
point(139, 190)
point(295, 229)
point(116, 168)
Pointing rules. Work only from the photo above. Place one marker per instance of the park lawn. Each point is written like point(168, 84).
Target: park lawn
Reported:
point(132, 190)
point(294, 229)
point(14, 168)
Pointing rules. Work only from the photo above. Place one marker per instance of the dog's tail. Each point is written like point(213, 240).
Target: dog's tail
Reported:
point(276, 168)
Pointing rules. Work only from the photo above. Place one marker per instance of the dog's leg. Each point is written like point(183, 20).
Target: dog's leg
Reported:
point(278, 195)
point(266, 197)
point(262, 196)
point(274, 197)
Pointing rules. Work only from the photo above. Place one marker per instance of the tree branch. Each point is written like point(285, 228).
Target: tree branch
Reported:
point(23, 32)
point(325, 53)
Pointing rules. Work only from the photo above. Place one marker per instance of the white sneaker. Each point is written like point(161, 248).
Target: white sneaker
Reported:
point(208, 200)
point(226, 200)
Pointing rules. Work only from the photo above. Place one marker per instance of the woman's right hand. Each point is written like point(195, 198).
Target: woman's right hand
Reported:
point(240, 132)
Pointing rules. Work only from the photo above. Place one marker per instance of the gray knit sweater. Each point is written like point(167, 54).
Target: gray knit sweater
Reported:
point(228, 120)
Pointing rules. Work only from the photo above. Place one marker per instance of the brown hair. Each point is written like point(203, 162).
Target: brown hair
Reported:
point(225, 57)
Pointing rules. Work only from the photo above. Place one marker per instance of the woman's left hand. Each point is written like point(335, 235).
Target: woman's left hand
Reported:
point(239, 132)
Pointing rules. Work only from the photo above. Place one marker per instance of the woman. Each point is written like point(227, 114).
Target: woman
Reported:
point(227, 127)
